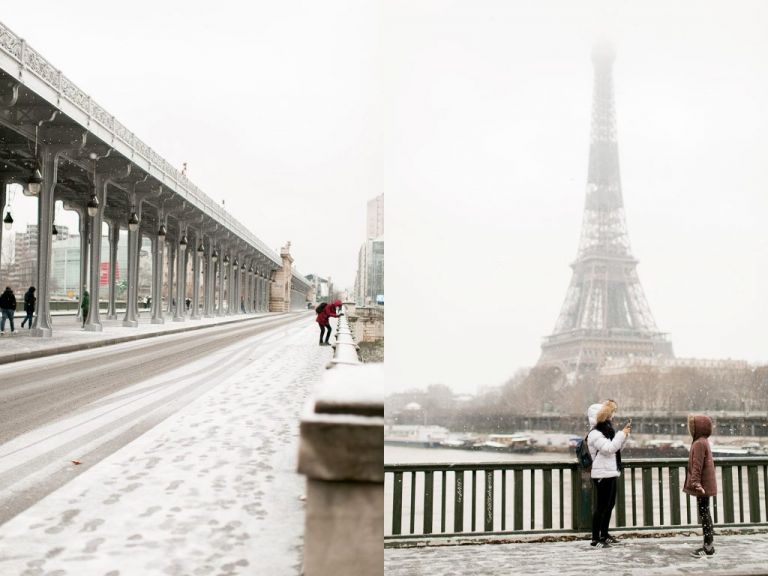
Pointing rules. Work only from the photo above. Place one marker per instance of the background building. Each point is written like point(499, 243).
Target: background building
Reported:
point(369, 281)
point(375, 217)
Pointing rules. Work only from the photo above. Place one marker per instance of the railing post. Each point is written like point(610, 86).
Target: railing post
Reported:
point(581, 500)
point(341, 451)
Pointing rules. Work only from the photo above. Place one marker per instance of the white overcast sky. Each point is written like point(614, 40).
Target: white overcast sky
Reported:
point(473, 117)
point(269, 103)
point(491, 112)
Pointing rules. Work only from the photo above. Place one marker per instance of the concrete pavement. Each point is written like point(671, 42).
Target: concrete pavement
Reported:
point(212, 489)
point(68, 335)
point(735, 555)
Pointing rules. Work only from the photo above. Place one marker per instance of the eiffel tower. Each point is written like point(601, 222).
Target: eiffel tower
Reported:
point(605, 313)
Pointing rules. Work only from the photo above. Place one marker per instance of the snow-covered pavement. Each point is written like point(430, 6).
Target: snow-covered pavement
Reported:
point(735, 555)
point(212, 489)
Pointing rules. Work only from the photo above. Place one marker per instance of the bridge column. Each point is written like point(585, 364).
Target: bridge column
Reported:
point(222, 272)
point(114, 239)
point(263, 302)
point(45, 206)
point(181, 277)
point(93, 323)
point(210, 279)
point(84, 247)
point(157, 279)
point(195, 312)
point(231, 288)
point(171, 260)
point(240, 288)
point(134, 241)
point(3, 191)
point(259, 290)
point(249, 282)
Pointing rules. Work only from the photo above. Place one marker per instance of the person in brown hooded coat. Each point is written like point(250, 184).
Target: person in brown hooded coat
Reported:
point(700, 478)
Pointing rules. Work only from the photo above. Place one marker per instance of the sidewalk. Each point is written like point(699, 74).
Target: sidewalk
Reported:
point(735, 555)
point(213, 489)
point(69, 336)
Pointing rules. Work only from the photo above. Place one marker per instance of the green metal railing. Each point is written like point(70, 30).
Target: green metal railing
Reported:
point(432, 500)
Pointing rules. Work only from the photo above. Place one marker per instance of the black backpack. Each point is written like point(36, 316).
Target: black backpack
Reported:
point(321, 307)
point(583, 455)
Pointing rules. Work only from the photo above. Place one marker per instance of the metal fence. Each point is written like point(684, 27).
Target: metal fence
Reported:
point(433, 500)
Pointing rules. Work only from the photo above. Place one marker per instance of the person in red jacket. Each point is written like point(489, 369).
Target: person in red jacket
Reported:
point(328, 311)
point(700, 480)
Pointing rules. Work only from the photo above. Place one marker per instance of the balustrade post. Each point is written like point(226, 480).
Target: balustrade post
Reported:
point(341, 452)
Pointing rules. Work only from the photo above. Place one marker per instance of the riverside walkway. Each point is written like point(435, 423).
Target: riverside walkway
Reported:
point(736, 554)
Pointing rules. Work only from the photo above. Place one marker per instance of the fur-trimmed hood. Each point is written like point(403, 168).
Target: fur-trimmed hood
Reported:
point(601, 412)
point(699, 425)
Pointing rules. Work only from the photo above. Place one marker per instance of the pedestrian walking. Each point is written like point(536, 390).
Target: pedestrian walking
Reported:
point(85, 305)
point(324, 312)
point(605, 448)
point(29, 306)
point(700, 480)
point(8, 308)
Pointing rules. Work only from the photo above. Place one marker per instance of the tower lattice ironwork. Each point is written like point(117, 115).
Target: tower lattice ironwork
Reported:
point(605, 313)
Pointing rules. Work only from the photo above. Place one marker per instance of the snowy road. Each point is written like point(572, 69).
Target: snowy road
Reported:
point(191, 471)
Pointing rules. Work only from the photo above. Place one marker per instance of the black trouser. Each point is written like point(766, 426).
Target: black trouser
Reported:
point(323, 327)
point(706, 520)
point(28, 318)
point(605, 489)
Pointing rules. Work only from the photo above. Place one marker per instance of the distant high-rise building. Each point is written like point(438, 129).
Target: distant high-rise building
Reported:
point(369, 284)
point(375, 221)
point(369, 281)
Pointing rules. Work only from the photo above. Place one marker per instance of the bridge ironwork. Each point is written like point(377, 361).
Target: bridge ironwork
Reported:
point(103, 171)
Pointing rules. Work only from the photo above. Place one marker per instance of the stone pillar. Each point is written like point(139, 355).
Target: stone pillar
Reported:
point(341, 458)
point(45, 207)
point(93, 323)
point(195, 312)
point(280, 291)
point(114, 239)
point(210, 279)
point(3, 191)
point(222, 272)
point(157, 280)
point(171, 260)
point(134, 243)
point(181, 277)
point(85, 245)
point(248, 289)
point(265, 290)
point(231, 287)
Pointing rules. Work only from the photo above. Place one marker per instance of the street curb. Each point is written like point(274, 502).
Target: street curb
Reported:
point(32, 354)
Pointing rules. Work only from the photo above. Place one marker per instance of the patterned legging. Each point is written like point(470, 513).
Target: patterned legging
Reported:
point(706, 520)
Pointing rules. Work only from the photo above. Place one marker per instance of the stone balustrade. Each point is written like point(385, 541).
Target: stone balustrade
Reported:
point(341, 453)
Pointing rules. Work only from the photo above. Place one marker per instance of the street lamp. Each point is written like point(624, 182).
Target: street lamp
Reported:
point(8, 220)
point(215, 256)
point(34, 183)
point(93, 205)
point(35, 180)
point(183, 241)
point(200, 248)
point(161, 231)
point(226, 259)
point(133, 221)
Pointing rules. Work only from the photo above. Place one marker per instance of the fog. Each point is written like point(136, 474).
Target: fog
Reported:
point(491, 111)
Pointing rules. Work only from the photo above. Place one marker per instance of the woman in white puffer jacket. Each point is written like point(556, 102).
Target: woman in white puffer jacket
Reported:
point(605, 448)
